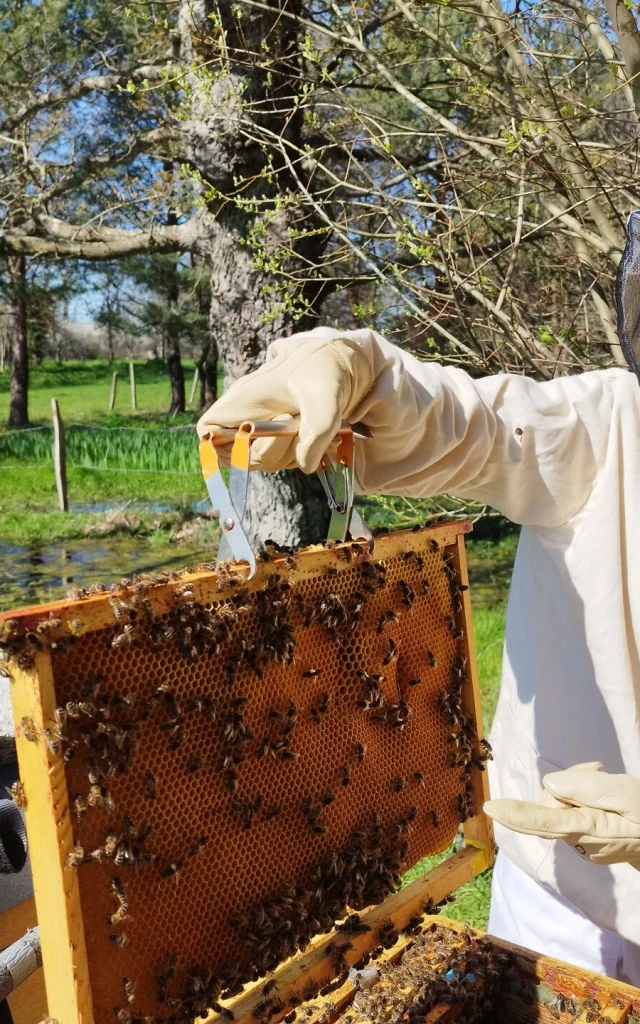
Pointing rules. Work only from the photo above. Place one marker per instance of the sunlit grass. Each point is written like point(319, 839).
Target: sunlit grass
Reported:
point(82, 388)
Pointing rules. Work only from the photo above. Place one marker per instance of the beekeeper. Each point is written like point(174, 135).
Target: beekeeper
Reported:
point(562, 458)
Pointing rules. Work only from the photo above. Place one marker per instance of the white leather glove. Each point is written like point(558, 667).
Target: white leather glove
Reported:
point(596, 813)
point(321, 375)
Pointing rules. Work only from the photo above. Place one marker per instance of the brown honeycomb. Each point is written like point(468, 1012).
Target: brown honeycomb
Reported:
point(188, 913)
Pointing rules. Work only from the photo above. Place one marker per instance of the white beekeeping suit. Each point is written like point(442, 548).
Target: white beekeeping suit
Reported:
point(562, 458)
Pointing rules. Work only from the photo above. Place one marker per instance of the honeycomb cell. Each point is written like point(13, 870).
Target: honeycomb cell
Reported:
point(283, 704)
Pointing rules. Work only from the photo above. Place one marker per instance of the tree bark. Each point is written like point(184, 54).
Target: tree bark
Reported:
point(174, 358)
point(176, 376)
point(19, 349)
point(248, 308)
point(110, 346)
point(208, 373)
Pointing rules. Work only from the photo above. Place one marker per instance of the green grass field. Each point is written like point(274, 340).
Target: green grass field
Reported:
point(122, 456)
point(141, 456)
point(82, 388)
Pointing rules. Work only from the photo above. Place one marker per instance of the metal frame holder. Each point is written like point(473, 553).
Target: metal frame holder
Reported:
point(229, 502)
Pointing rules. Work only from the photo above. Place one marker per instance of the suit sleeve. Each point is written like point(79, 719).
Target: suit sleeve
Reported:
point(531, 450)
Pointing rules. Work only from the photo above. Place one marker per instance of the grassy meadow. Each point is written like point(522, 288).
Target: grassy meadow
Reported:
point(146, 456)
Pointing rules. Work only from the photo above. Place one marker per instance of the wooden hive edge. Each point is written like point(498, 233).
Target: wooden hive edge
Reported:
point(315, 968)
point(95, 612)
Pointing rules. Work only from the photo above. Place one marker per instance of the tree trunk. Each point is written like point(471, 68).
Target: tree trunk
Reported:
point(290, 508)
point(110, 341)
point(174, 358)
point(208, 373)
point(250, 305)
point(176, 376)
point(19, 399)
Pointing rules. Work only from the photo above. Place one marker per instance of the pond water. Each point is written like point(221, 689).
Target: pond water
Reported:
point(136, 506)
point(38, 574)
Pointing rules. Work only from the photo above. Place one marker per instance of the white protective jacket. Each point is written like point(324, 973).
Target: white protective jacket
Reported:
point(563, 459)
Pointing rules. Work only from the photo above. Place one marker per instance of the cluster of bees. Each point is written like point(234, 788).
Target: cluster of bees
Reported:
point(440, 967)
point(363, 873)
point(102, 729)
point(459, 970)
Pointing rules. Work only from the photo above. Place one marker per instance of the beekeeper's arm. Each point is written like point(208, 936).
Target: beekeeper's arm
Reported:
point(530, 450)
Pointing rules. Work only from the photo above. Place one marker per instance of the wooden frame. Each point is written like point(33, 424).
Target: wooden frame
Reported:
point(49, 823)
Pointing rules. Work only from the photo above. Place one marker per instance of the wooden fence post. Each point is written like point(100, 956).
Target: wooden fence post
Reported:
point(196, 375)
point(59, 456)
point(112, 396)
point(132, 381)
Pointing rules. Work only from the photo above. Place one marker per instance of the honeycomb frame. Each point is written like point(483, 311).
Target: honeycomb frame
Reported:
point(82, 969)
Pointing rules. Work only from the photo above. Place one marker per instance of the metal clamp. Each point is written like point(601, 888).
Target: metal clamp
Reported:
point(230, 502)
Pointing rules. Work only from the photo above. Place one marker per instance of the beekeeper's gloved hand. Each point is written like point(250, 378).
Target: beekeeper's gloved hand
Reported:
point(596, 813)
point(320, 375)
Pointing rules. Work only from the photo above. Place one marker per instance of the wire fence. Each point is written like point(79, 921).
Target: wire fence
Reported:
point(115, 449)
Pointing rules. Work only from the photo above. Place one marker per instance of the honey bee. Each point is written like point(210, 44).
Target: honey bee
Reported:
point(52, 740)
point(419, 777)
point(7, 629)
point(345, 776)
point(194, 764)
point(119, 608)
point(47, 625)
point(151, 786)
point(432, 661)
point(289, 755)
point(391, 652)
point(171, 870)
point(80, 806)
point(177, 739)
point(29, 729)
point(198, 845)
point(119, 892)
point(435, 820)
point(123, 1015)
point(76, 856)
point(118, 916)
point(311, 673)
point(124, 638)
point(110, 844)
point(129, 989)
point(397, 784)
point(107, 801)
point(385, 619)
point(75, 627)
point(273, 812)
point(487, 749)
point(17, 794)
point(328, 799)
point(361, 750)
point(270, 986)
point(415, 681)
point(94, 797)
point(121, 940)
